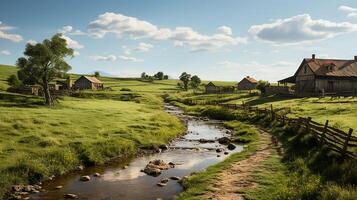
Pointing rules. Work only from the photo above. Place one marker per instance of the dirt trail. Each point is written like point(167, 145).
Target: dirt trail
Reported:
point(240, 175)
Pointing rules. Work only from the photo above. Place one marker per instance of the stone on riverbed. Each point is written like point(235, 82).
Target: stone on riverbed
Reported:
point(202, 140)
point(84, 178)
point(96, 174)
point(224, 140)
point(154, 167)
point(70, 196)
point(231, 146)
point(164, 180)
point(59, 187)
point(176, 178)
point(161, 184)
point(218, 150)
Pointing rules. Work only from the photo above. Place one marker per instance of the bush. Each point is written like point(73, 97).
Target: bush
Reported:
point(125, 89)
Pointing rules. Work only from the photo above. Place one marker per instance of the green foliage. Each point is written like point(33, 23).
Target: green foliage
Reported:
point(261, 85)
point(13, 81)
point(44, 62)
point(195, 82)
point(97, 74)
point(185, 78)
point(159, 75)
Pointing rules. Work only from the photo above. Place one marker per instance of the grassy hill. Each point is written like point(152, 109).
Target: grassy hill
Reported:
point(5, 72)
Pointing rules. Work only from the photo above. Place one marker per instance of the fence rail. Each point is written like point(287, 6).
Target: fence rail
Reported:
point(337, 140)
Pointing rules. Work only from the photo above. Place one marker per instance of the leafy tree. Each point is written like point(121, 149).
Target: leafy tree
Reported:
point(97, 74)
point(43, 62)
point(143, 75)
point(159, 75)
point(185, 78)
point(261, 85)
point(195, 82)
point(166, 77)
point(13, 81)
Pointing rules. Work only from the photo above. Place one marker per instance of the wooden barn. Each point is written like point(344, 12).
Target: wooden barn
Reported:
point(88, 82)
point(316, 77)
point(211, 88)
point(247, 83)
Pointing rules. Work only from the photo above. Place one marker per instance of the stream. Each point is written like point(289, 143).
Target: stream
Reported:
point(124, 180)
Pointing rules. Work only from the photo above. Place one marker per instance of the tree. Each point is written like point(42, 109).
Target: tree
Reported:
point(261, 85)
point(43, 62)
point(185, 78)
point(159, 75)
point(166, 77)
point(13, 81)
point(97, 74)
point(195, 82)
point(143, 75)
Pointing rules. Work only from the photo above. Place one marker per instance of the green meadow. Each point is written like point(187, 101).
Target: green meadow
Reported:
point(91, 128)
point(341, 112)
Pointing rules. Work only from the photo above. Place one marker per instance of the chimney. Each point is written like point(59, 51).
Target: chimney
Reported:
point(247, 76)
point(313, 56)
point(355, 58)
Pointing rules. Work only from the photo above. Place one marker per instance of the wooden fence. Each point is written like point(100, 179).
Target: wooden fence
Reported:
point(337, 140)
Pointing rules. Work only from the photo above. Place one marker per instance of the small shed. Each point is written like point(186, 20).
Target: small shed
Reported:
point(88, 82)
point(247, 83)
point(211, 88)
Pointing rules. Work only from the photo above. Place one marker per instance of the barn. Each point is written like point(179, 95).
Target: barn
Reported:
point(247, 83)
point(211, 88)
point(88, 82)
point(316, 77)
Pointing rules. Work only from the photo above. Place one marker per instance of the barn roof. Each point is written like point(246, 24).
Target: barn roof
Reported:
point(92, 79)
point(250, 79)
point(332, 67)
point(210, 84)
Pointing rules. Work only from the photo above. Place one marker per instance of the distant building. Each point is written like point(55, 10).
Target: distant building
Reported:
point(88, 82)
point(247, 83)
point(324, 76)
point(211, 88)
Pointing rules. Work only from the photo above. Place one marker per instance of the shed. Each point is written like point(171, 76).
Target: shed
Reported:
point(247, 83)
point(88, 82)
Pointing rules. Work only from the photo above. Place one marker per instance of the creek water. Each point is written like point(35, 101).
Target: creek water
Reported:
point(119, 182)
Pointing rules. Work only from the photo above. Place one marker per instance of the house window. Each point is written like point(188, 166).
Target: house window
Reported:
point(305, 69)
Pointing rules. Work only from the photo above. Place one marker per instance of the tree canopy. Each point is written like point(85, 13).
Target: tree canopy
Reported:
point(185, 78)
point(43, 62)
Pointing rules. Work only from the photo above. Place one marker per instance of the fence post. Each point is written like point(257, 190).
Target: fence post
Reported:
point(272, 112)
point(345, 145)
point(322, 140)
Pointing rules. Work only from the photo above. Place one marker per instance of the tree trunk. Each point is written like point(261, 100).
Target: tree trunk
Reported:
point(47, 94)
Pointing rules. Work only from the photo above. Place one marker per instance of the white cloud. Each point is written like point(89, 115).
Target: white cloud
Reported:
point(33, 42)
point(131, 27)
point(113, 58)
point(70, 31)
point(76, 53)
point(8, 36)
point(5, 52)
point(143, 47)
point(225, 30)
point(72, 43)
point(300, 28)
point(351, 12)
point(129, 58)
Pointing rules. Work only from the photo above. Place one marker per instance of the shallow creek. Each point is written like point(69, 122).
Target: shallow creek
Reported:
point(119, 182)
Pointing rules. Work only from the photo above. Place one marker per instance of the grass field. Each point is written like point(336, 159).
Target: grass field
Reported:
point(37, 141)
point(341, 113)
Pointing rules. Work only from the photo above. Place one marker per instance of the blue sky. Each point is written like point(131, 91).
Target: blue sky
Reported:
point(217, 40)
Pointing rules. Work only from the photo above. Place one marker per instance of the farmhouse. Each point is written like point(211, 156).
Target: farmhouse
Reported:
point(211, 88)
point(247, 83)
point(324, 76)
point(88, 82)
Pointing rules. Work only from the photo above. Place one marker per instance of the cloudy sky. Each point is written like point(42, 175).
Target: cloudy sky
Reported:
point(217, 40)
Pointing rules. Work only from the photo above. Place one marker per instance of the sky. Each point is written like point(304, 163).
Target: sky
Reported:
point(214, 39)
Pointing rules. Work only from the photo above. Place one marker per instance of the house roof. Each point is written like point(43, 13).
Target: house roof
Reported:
point(210, 84)
point(92, 79)
point(250, 79)
point(332, 67)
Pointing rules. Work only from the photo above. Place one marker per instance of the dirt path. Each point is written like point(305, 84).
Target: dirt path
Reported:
point(240, 175)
